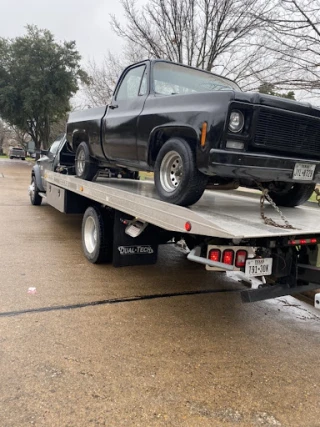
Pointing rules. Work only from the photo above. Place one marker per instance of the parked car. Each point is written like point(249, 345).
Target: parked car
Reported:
point(194, 128)
point(17, 152)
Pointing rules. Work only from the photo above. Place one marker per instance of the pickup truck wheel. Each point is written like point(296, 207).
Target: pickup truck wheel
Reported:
point(292, 195)
point(35, 198)
point(97, 235)
point(86, 167)
point(176, 176)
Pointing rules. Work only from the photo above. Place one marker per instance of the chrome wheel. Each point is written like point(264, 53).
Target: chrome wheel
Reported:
point(81, 162)
point(171, 171)
point(90, 235)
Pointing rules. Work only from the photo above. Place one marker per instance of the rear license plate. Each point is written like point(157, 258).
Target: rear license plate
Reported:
point(258, 267)
point(303, 171)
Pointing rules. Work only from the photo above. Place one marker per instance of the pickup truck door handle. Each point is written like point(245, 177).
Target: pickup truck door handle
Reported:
point(113, 106)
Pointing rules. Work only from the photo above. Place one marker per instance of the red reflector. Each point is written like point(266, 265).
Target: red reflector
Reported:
point(292, 242)
point(215, 255)
point(187, 226)
point(241, 258)
point(313, 240)
point(302, 242)
point(227, 257)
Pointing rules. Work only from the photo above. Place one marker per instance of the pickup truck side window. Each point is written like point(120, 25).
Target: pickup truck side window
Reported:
point(173, 79)
point(130, 85)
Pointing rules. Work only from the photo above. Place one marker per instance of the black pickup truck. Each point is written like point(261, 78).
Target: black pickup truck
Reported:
point(196, 130)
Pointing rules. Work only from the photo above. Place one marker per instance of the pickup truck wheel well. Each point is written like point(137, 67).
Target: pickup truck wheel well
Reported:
point(78, 138)
point(161, 136)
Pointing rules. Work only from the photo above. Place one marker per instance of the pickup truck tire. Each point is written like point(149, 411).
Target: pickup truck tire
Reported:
point(85, 166)
point(35, 197)
point(176, 176)
point(97, 235)
point(292, 196)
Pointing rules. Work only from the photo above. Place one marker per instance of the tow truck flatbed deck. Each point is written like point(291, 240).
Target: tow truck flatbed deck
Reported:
point(224, 214)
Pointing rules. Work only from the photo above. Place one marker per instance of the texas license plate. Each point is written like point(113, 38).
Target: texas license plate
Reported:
point(303, 171)
point(258, 267)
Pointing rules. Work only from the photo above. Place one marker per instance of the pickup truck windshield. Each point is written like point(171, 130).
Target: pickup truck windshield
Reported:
point(173, 79)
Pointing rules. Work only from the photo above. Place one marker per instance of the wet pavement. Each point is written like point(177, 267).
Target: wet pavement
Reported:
point(86, 348)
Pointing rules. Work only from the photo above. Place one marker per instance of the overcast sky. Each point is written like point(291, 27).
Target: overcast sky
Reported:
point(85, 21)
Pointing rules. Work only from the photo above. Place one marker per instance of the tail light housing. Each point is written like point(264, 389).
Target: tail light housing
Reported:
point(228, 257)
point(241, 258)
point(215, 255)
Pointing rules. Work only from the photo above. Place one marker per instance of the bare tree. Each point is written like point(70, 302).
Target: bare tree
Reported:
point(102, 80)
point(250, 41)
point(293, 31)
point(208, 34)
point(103, 77)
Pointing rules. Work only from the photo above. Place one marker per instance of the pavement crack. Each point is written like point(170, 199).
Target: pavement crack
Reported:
point(114, 301)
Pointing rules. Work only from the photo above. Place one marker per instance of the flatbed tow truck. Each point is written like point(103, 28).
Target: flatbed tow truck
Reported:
point(124, 222)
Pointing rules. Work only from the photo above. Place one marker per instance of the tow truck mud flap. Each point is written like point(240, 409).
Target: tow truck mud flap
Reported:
point(141, 250)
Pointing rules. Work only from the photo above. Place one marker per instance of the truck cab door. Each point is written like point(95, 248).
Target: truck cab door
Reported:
point(119, 126)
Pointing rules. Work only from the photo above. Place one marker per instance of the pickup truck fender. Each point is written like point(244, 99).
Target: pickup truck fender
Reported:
point(78, 136)
point(37, 174)
point(161, 134)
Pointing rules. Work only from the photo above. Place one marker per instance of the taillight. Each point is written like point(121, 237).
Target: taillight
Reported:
point(298, 242)
point(215, 255)
point(241, 258)
point(227, 257)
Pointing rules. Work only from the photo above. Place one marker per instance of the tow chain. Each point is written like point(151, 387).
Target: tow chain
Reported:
point(269, 221)
point(317, 191)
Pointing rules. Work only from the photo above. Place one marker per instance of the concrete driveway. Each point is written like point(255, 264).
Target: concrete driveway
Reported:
point(81, 351)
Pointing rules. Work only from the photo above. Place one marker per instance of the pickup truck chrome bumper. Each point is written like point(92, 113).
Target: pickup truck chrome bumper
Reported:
point(256, 166)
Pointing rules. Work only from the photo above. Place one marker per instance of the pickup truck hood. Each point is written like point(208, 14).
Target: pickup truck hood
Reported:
point(277, 102)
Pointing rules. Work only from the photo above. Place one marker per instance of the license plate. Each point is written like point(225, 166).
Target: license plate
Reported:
point(303, 171)
point(258, 267)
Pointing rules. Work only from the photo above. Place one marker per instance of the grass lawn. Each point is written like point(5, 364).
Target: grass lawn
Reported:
point(146, 175)
point(313, 198)
point(6, 157)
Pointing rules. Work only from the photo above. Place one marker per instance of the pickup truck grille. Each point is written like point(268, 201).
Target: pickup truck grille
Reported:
point(288, 133)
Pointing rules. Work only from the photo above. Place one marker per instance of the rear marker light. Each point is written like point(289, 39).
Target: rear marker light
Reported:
point(241, 258)
point(227, 257)
point(313, 240)
point(215, 255)
point(187, 226)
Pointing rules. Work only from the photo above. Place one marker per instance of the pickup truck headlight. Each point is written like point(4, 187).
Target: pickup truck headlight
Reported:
point(236, 121)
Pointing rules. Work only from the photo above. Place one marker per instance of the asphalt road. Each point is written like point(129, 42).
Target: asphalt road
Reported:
point(191, 360)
